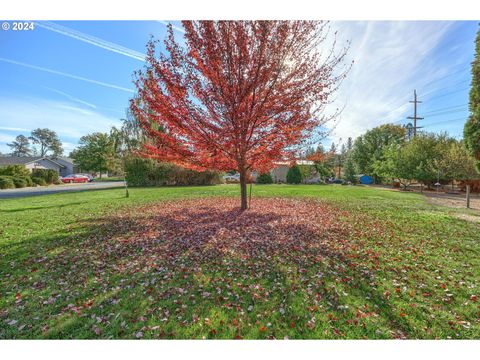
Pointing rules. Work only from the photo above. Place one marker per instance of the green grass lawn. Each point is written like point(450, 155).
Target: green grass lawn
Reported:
point(111, 178)
point(397, 268)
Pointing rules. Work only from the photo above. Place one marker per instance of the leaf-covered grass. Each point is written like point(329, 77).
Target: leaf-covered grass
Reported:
point(304, 262)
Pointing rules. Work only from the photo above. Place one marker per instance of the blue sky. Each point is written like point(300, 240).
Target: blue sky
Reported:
point(75, 77)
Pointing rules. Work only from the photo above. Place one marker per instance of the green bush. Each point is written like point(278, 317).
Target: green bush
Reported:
point(49, 175)
point(39, 181)
point(294, 176)
point(308, 172)
point(19, 182)
point(6, 182)
point(183, 177)
point(148, 172)
point(264, 178)
point(15, 170)
point(28, 180)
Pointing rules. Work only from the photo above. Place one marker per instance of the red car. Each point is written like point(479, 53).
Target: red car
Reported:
point(74, 179)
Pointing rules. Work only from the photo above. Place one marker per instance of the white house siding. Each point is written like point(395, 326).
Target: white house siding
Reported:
point(279, 174)
point(43, 164)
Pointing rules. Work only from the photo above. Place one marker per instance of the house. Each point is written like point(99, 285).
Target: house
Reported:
point(63, 166)
point(279, 172)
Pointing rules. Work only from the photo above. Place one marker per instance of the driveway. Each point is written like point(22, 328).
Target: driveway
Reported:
point(54, 189)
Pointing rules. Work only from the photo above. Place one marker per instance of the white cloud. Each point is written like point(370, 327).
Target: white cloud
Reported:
point(5, 128)
point(6, 138)
point(67, 119)
point(391, 59)
point(68, 147)
point(73, 98)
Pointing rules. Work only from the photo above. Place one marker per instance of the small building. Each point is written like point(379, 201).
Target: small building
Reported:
point(63, 166)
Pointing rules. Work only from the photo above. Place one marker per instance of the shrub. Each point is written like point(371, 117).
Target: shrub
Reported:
point(308, 172)
point(474, 185)
point(28, 180)
point(19, 182)
point(14, 170)
point(50, 176)
point(6, 182)
point(148, 172)
point(39, 181)
point(180, 176)
point(294, 176)
point(264, 178)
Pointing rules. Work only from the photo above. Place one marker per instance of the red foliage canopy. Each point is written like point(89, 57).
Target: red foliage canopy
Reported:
point(238, 95)
point(320, 156)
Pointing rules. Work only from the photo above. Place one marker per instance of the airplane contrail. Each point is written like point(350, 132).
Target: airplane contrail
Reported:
point(89, 39)
point(179, 29)
point(73, 98)
point(71, 76)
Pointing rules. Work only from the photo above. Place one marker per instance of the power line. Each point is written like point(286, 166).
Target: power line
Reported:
point(446, 121)
point(436, 112)
point(447, 112)
point(453, 85)
point(446, 108)
point(442, 95)
point(444, 77)
point(451, 92)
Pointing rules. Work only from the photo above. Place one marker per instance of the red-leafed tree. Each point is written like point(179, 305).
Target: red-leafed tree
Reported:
point(238, 95)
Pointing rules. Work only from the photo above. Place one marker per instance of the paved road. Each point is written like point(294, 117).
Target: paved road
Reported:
point(53, 189)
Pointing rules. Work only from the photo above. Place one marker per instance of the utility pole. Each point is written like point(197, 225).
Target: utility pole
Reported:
point(415, 117)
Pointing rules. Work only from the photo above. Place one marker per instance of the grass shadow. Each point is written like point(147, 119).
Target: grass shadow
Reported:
point(152, 254)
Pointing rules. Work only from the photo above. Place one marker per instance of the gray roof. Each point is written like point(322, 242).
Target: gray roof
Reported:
point(23, 160)
point(63, 160)
point(18, 160)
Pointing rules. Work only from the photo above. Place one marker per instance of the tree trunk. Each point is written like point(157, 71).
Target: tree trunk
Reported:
point(468, 196)
point(250, 195)
point(243, 190)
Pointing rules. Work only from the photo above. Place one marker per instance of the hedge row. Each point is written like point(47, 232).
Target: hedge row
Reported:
point(49, 176)
point(11, 182)
point(264, 178)
point(17, 176)
point(148, 172)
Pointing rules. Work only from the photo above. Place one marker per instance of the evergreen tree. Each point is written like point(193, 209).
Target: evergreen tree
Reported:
point(320, 149)
point(48, 141)
point(349, 170)
point(310, 151)
point(333, 148)
point(349, 143)
point(294, 175)
point(20, 146)
point(471, 131)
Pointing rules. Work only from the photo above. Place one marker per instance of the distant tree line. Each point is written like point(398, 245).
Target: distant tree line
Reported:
point(389, 155)
point(45, 143)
